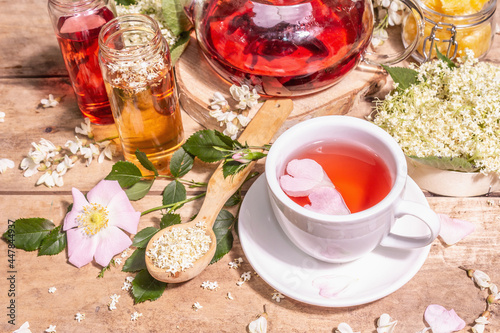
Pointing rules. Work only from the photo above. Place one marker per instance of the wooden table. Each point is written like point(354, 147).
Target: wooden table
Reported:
point(31, 68)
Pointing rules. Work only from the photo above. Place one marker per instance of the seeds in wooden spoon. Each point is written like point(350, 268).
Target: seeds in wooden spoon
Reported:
point(177, 249)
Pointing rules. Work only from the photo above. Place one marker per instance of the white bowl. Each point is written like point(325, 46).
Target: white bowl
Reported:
point(452, 183)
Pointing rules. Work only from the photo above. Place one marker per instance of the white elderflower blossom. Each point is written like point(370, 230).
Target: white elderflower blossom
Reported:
point(51, 329)
point(277, 296)
point(246, 98)
point(2, 117)
point(134, 316)
point(449, 113)
point(197, 306)
point(108, 150)
point(52, 290)
point(344, 328)
point(79, 316)
point(85, 128)
point(385, 324)
point(25, 328)
point(49, 102)
point(6, 163)
point(259, 325)
point(479, 324)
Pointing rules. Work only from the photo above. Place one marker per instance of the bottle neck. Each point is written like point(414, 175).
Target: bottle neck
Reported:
point(130, 37)
point(77, 6)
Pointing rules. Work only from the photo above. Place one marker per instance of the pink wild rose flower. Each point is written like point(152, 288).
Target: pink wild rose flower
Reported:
point(95, 225)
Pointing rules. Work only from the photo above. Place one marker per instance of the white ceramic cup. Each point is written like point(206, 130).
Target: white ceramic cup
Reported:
point(343, 238)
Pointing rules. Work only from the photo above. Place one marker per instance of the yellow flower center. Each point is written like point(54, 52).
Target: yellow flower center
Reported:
point(93, 219)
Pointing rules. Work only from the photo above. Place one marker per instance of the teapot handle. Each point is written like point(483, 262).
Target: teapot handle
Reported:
point(375, 58)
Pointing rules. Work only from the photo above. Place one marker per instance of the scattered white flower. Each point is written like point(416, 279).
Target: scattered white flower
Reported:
point(118, 261)
point(231, 130)
point(89, 153)
point(246, 98)
point(240, 283)
point(85, 128)
point(379, 36)
point(210, 285)
point(344, 328)
point(232, 264)
point(479, 324)
point(108, 149)
point(229, 296)
point(259, 325)
point(74, 146)
point(246, 276)
point(79, 316)
point(25, 328)
point(481, 279)
point(51, 329)
point(385, 324)
point(66, 164)
point(134, 316)
point(5, 163)
point(50, 179)
point(2, 117)
point(129, 279)
point(219, 102)
point(126, 286)
point(125, 253)
point(114, 300)
point(49, 102)
point(197, 306)
point(277, 296)
point(52, 290)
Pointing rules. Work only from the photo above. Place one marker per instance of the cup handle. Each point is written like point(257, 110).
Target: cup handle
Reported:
point(421, 212)
point(374, 58)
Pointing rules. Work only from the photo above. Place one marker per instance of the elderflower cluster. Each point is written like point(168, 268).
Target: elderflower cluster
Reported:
point(233, 120)
point(448, 113)
point(152, 8)
point(55, 161)
point(387, 13)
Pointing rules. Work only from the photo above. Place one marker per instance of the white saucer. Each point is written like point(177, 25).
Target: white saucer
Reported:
point(297, 275)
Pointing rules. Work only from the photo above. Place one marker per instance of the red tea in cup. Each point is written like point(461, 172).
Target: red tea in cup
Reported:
point(358, 173)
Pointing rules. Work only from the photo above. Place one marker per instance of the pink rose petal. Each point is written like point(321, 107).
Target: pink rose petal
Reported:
point(441, 320)
point(303, 176)
point(81, 248)
point(327, 200)
point(454, 230)
point(332, 285)
point(79, 201)
point(104, 192)
point(112, 241)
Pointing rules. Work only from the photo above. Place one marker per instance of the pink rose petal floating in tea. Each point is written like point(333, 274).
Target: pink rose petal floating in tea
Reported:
point(307, 178)
point(441, 320)
point(454, 230)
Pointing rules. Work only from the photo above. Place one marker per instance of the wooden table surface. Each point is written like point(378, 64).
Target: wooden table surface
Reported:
point(31, 68)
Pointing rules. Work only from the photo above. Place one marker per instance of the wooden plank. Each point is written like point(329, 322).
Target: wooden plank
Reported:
point(438, 282)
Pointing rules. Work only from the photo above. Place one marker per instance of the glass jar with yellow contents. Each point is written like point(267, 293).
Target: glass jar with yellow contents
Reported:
point(453, 26)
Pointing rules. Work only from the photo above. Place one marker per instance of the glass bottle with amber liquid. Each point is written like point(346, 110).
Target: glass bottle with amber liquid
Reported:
point(139, 80)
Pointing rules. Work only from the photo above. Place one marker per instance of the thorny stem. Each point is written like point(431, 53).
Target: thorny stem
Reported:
point(176, 204)
point(191, 183)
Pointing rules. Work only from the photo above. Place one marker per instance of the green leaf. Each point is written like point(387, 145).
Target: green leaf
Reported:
point(145, 162)
point(142, 238)
point(405, 77)
point(169, 219)
point(53, 243)
point(181, 163)
point(136, 262)
point(174, 16)
point(179, 47)
point(202, 144)
point(125, 2)
point(28, 234)
point(145, 287)
point(447, 163)
point(174, 192)
point(126, 173)
point(444, 58)
point(233, 200)
point(222, 230)
point(139, 189)
point(230, 168)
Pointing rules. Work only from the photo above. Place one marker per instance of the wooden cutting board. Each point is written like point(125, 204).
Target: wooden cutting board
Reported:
point(197, 82)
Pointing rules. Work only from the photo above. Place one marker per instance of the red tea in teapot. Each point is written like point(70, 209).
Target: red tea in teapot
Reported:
point(285, 47)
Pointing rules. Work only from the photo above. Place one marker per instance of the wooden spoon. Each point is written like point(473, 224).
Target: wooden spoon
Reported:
point(259, 132)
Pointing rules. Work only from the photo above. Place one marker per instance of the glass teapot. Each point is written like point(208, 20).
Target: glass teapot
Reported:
point(288, 47)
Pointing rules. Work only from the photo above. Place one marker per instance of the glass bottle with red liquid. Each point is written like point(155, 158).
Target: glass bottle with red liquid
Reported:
point(77, 24)
point(287, 47)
